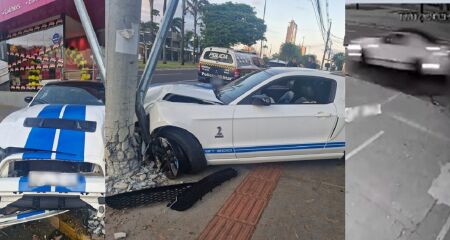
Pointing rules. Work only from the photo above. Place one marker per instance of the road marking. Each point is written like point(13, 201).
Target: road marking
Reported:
point(444, 230)
point(162, 74)
point(390, 99)
point(364, 145)
point(419, 127)
point(439, 190)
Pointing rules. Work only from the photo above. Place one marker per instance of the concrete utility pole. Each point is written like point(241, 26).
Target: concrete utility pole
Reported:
point(264, 18)
point(329, 55)
point(122, 34)
point(326, 46)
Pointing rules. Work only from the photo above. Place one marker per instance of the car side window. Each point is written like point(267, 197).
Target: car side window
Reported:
point(297, 90)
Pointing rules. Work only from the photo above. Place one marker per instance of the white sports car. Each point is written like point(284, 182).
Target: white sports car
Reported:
point(51, 153)
point(404, 50)
point(278, 114)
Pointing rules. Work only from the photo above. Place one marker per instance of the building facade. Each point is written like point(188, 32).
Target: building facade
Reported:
point(291, 32)
point(43, 40)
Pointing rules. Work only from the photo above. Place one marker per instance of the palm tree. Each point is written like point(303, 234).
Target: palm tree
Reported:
point(183, 15)
point(164, 45)
point(175, 27)
point(189, 39)
point(195, 7)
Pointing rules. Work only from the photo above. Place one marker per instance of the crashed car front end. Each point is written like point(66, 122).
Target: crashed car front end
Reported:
point(52, 160)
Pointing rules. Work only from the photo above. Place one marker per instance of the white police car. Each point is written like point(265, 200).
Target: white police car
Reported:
point(278, 114)
point(51, 153)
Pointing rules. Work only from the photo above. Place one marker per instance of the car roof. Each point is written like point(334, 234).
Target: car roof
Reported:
point(302, 71)
point(75, 83)
point(423, 34)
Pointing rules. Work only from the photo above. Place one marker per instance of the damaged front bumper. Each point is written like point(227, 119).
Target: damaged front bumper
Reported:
point(27, 216)
point(16, 194)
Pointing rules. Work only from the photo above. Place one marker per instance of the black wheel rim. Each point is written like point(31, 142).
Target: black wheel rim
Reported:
point(167, 157)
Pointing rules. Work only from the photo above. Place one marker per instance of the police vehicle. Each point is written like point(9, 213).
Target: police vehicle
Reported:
point(226, 64)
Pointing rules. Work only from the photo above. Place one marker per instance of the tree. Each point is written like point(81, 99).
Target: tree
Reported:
point(175, 27)
point(183, 15)
point(150, 27)
point(153, 13)
point(339, 59)
point(164, 45)
point(196, 7)
point(229, 23)
point(290, 51)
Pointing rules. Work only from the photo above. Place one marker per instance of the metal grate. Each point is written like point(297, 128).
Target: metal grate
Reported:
point(146, 196)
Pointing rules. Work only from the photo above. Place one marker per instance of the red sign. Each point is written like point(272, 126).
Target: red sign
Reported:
point(13, 8)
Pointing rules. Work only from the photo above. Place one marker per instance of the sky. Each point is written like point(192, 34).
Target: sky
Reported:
point(278, 15)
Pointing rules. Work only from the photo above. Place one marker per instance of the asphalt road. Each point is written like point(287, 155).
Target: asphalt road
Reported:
point(176, 75)
point(392, 160)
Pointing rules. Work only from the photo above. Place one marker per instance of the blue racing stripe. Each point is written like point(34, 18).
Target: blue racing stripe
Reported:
point(72, 141)
point(29, 214)
point(274, 148)
point(42, 138)
point(25, 187)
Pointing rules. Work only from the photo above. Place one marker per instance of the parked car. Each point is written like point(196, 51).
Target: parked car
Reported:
point(226, 64)
point(276, 63)
point(277, 114)
point(52, 153)
point(405, 49)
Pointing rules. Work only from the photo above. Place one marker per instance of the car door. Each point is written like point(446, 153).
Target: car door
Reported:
point(394, 49)
point(285, 128)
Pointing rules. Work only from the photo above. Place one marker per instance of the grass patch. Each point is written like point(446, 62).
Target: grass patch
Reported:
point(169, 65)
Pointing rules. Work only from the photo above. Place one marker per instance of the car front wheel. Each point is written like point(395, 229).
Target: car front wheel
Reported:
point(176, 151)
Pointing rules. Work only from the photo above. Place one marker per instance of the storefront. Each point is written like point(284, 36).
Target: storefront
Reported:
point(43, 40)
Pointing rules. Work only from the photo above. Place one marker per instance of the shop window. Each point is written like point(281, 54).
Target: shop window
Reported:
point(35, 58)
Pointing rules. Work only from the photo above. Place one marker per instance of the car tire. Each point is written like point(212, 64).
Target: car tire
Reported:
point(188, 149)
point(363, 57)
point(418, 67)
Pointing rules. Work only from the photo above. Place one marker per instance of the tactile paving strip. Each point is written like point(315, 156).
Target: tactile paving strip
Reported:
point(239, 215)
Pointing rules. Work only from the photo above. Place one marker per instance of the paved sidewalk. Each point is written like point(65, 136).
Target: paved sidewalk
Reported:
point(307, 203)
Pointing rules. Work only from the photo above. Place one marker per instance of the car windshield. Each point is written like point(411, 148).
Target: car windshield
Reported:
point(64, 94)
point(236, 88)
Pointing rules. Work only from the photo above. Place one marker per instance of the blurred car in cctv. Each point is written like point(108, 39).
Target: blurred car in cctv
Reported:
point(405, 49)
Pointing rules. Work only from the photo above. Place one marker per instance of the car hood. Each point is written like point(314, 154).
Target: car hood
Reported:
point(201, 91)
point(55, 143)
point(366, 40)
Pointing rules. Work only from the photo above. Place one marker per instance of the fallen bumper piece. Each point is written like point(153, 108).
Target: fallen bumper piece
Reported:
point(181, 196)
point(27, 216)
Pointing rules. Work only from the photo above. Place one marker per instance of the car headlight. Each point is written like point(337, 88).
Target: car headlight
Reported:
point(433, 48)
point(354, 47)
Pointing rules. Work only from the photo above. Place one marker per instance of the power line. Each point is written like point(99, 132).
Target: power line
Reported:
point(317, 20)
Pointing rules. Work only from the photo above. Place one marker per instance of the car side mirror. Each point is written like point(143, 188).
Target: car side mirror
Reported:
point(261, 100)
point(28, 99)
